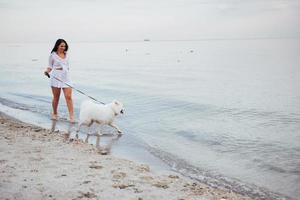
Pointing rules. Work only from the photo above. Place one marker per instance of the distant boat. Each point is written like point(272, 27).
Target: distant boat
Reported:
point(147, 40)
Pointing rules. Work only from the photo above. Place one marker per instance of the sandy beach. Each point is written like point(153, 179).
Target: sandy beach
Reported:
point(37, 164)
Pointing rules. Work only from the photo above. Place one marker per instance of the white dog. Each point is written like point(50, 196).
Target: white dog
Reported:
point(91, 112)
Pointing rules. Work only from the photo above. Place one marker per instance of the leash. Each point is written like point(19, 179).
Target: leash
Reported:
point(48, 75)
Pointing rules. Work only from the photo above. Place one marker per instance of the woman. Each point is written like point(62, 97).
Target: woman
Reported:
point(59, 68)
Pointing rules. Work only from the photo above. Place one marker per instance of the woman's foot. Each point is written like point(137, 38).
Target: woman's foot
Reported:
point(54, 116)
point(72, 119)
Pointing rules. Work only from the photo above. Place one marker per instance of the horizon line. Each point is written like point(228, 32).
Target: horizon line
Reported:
point(147, 40)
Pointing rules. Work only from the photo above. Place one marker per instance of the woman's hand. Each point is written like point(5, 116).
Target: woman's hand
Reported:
point(47, 72)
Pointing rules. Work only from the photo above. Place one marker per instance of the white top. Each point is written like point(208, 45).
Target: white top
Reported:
point(60, 70)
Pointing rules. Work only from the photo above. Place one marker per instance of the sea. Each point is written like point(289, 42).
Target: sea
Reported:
point(225, 112)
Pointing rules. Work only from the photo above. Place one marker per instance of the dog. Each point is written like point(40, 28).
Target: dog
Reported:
point(91, 112)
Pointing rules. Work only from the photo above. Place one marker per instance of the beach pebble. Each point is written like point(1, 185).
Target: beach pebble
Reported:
point(136, 190)
point(161, 185)
point(87, 195)
point(103, 151)
point(144, 168)
point(37, 129)
point(86, 182)
point(3, 161)
point(96, 167)
point(147, 178)
point(119, 175)
point(173, 176)
point(122, 186)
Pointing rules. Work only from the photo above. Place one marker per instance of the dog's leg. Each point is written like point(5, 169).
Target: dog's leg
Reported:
point(114, 126)
point(98, 122)
point(79, 125)
point(89, 125)
point(78, 129)
point(87, 138)
point(98, 141)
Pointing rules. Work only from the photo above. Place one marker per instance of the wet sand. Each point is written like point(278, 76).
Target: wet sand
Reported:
point(36, 163)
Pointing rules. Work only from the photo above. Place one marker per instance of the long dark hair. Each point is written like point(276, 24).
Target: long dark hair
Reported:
point(57, 43)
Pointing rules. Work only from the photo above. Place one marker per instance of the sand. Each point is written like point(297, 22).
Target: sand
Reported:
point(38, 164)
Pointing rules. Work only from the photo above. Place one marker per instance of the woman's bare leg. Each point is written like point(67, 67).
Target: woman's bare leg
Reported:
point(69, 100)
point(55, 100)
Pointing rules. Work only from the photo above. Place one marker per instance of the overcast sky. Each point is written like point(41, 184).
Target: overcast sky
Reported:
point(114, 20)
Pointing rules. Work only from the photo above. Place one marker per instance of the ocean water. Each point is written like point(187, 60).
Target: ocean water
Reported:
point(224, 112)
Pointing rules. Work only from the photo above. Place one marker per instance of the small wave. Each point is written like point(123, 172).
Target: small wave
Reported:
point(39, 98)
point(269, 156)
point(15, 105)
point(215, 180)
point(36, 104)
point(40, 109)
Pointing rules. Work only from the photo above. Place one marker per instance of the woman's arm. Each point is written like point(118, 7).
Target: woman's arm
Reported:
point(50, 66)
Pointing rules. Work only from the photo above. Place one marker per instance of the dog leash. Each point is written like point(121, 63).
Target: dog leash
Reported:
point(48, 75)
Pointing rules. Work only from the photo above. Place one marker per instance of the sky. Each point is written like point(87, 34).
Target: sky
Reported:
point(130, 20)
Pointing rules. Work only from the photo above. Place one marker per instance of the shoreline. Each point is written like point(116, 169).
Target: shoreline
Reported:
point(39, 165)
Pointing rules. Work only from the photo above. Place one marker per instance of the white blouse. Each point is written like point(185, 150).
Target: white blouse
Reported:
point(60, 70)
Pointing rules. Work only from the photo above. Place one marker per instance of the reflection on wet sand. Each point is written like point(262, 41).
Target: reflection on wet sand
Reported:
point(105, 147)
point(104, 142)
point(52, 130)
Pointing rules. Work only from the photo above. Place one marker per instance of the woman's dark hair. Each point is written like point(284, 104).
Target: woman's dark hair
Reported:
point(57, 43)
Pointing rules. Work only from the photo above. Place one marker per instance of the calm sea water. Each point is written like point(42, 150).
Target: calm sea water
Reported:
point(225, 112)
